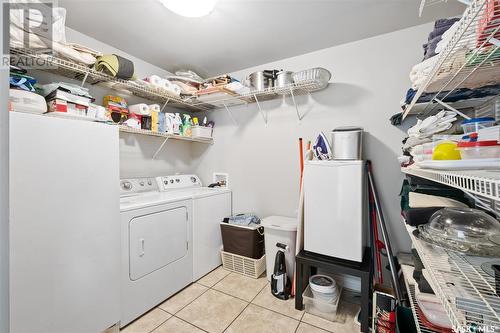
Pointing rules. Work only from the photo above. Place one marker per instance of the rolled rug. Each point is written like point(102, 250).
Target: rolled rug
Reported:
point(140, 109)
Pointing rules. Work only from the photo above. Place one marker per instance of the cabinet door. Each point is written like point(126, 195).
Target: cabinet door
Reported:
point(157, 240)
point(208, 213)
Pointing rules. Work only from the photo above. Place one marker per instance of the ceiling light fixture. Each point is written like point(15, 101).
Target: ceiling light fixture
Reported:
point(190, 8)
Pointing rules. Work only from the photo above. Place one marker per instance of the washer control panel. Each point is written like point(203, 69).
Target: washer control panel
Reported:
point(177, 182)
point(137, 185)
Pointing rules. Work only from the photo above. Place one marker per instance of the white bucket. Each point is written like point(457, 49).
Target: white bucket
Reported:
point(324, 287)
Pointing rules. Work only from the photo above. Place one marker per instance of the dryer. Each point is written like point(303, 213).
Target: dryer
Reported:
point(157, 251)
point(210, 207)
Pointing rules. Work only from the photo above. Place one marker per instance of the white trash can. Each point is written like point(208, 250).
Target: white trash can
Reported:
point(280, 229)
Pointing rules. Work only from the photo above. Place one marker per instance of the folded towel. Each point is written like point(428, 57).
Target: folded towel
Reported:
point(442, 121)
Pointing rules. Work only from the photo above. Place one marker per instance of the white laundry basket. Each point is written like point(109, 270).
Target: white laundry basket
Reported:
point(280, 229)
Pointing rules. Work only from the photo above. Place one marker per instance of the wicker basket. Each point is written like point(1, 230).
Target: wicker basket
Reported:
point(243, 265)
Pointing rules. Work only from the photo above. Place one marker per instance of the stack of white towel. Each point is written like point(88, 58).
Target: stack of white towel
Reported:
point(423, 131)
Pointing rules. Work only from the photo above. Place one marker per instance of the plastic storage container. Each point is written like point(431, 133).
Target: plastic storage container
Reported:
point(479, 149)
point(433, 310)
point(475, 124)
point(280, 229)
point(320, 307)
point(242, 240)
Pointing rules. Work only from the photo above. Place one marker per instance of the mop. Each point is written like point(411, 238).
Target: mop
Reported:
point(385, 235)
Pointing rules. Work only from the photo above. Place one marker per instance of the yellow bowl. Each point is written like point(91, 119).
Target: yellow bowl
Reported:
point(446, 151)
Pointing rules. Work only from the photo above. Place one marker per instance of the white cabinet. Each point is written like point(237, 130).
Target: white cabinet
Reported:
point(64, 225)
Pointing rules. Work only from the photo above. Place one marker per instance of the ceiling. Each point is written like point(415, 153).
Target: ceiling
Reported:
point(241, 33)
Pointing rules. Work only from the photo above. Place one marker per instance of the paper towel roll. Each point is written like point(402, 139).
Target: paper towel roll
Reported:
point(141, 109)
point(155, 81)
point(169, 86)
point(154, 108)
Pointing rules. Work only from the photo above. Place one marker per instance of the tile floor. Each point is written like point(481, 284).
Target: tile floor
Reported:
point(231, 303)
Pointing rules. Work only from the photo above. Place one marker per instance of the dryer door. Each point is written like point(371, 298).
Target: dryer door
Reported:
point(157, 240)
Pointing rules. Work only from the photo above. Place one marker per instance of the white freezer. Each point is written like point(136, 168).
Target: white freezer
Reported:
point(335, 220)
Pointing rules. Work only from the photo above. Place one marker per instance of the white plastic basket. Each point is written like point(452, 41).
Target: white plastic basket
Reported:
point(243, 265)
point(201, 132)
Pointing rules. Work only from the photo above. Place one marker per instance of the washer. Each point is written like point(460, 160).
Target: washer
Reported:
point(210, 207)
point(156, 240)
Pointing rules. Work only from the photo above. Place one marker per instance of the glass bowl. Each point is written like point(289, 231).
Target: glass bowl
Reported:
point(466, 230)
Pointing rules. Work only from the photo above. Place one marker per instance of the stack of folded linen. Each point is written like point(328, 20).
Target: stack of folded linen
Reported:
point(39, 40)
point(439, 36)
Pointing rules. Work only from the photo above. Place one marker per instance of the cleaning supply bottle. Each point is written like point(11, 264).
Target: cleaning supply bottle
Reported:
point(169, 123)
point(186, 125)
point(177, 124)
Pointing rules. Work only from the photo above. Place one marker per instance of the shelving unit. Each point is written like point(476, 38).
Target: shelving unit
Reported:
point(470, 60)
point(466, 291)
point(410, 287)
point(87, 74)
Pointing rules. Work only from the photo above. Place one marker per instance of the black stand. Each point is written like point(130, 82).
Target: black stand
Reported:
point(306, 261)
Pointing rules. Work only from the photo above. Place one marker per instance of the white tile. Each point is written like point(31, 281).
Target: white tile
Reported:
point(183, 298)
point(213, 311)
point(176, 325)
point(241, 286)
point(147, 322)
point(213, 277)
point(306, 328)
point(268, 301)
point(255, 319)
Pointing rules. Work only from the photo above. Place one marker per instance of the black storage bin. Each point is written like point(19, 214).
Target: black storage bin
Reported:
point(242, 240)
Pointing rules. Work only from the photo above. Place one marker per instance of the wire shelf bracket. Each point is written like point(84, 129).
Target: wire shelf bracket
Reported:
point(262, 112)
point(230, 113)
point(84, 79)
point(160, 148)
point(295, 104)
point(165, 104)
point(449, 107)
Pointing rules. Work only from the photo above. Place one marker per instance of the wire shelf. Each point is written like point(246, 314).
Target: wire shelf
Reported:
point(465, 288)
point(127, 129)
point(410, 287)
point(470, 60)
point(87, 74)
point(485, 183)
